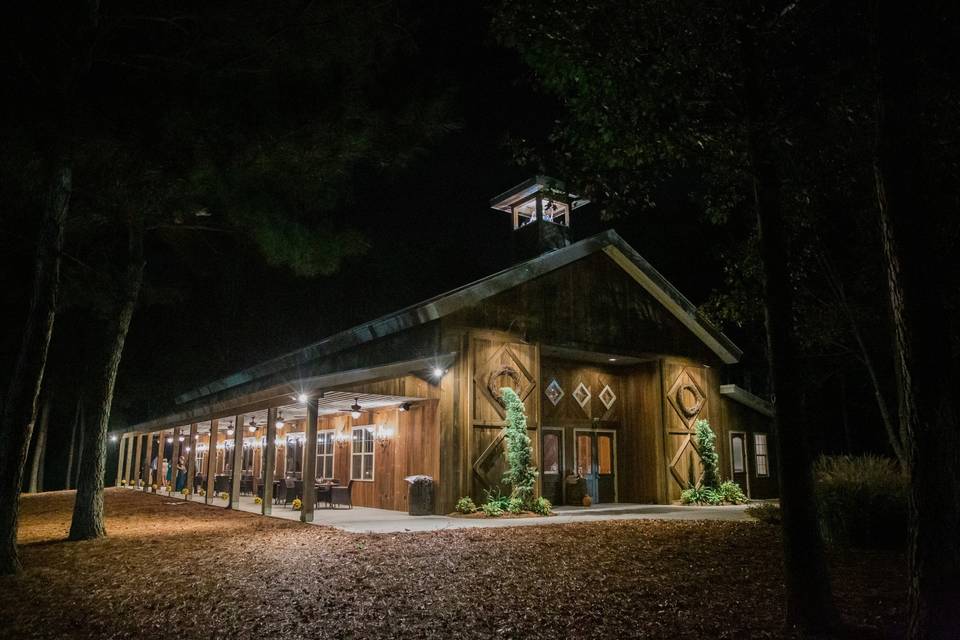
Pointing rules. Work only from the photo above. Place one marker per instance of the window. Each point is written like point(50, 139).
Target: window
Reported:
point(584, 455)
point(325, 444)
point(551, 453)
point(361, 459)
point(736, 444)
point(201, 458)
point(293, 461)
point(247, 458)
point(760, 454)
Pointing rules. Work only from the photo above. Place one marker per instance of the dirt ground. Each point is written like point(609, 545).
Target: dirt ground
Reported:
point(178, 570)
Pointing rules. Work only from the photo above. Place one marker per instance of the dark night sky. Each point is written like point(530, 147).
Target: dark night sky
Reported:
point(429, 230)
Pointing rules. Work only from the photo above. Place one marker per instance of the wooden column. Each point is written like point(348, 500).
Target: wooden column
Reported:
point(161, 478)
point(269, 462)
point(128, 460)
point(192, 458)
point(147, 460)
point(120, 449)
point(138, 460)
point(211, 459)
point(174, 458)
point(237, 464)
point(309, 474)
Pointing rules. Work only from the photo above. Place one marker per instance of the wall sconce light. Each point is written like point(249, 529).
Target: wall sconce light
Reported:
point(187, 449)
point(438, 372)
point(404, 406)
point(383, 434)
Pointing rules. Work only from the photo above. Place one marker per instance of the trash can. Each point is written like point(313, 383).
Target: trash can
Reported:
point(420, 495)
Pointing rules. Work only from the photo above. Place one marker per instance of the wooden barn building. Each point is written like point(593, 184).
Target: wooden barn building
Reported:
point(614, 365)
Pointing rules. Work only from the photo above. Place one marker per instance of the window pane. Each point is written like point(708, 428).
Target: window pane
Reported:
point(737, 446)
point(551, 453)
point(368, 467)
point(584, 455)
point(605, 454)
point(357, 468)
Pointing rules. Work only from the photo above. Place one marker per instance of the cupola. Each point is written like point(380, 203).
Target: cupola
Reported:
point(541, 210)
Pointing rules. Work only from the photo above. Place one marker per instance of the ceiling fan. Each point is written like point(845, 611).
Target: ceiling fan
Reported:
point(354, 409)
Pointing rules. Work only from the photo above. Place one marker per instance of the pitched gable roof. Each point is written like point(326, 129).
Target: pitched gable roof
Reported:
point(445, 304)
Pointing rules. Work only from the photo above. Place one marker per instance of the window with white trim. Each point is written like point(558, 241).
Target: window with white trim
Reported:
point(361, 453)
point(760, 454)
point(325, 447)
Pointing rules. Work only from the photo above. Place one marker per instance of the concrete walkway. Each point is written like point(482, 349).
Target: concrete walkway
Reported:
point(368, 520)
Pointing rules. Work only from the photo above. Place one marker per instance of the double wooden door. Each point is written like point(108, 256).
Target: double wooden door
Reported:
point(595, 460)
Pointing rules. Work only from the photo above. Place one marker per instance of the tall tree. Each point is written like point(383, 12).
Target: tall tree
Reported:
point(917, 171)
point(694, 94)
point(39, 448)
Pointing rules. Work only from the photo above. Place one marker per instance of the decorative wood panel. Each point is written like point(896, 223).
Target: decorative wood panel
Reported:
point(498, 360)
point(693, 393)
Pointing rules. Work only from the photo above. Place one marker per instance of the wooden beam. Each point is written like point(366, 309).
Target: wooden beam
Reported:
point(237, 465)
point(174, 459)
point(269, 461)
point(211, 457)
point(147, 461)
point(161, 479)
point(309, 474)
point(138, 461)
point(128, 463)
point(120, 444)
point(192, 458)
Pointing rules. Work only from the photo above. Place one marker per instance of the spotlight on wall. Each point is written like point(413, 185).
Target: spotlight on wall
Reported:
point(404, 406)
point(438, 372)
point(302, 397)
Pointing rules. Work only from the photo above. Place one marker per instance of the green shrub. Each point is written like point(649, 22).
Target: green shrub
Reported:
point(521, 475)
point(491, 509)
point(515, 506)
point(541, 506)
point(707, 446)
point(731, 492)
point(700, 495)
point(466, 505)
point(497, 498)
point(765, 512)
point(861, 501)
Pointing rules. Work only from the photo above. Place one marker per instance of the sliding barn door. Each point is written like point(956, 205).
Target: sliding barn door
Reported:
point(499, 362)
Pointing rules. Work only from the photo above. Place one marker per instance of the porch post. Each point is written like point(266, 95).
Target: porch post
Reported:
point(211, 457)
point(160, 479)
point(174, 458)
point(237, 463)
point(120, 449)
point(147, 461)
point(269, 462)
point(309, 474)
point(137, 457)
point(128, 459)
point(192, 458)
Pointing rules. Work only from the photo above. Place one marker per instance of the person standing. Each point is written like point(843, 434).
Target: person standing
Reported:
point(181, 474)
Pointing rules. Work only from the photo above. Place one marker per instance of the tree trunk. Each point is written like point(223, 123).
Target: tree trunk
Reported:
point(87, 520)
point(39, 445)
point(20, 404)
point(927, 373)
point(809, 605)
point(68, 477)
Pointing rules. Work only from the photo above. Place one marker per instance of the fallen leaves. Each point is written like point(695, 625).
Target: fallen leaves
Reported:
point(206, 572)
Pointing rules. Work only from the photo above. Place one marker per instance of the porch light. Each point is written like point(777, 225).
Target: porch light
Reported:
point(438, 372)
point(404, 406)
point(279, 423)
point(355, 414)
point(302, 397)
point(113, 438)
point(230, 430)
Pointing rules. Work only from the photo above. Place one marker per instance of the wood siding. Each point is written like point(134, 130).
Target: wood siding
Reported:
point(739, 417)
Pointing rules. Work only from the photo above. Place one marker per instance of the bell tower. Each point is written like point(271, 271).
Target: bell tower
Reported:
point(541, 210)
